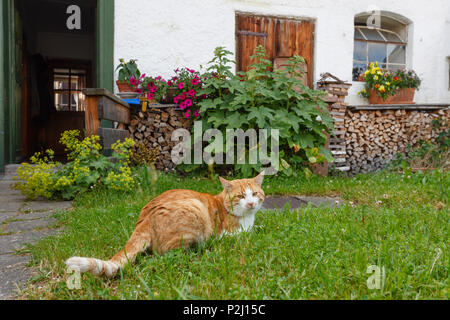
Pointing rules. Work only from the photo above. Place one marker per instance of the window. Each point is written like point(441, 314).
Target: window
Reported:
point(386, 47)
point(68, 84)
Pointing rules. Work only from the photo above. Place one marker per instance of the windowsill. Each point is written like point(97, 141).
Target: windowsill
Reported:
point(412, 107)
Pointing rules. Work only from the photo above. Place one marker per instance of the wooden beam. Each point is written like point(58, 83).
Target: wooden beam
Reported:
point(92, 121)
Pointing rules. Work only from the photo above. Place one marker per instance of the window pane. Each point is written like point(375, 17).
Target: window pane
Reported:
point(391, 36)
point(358, 68)
point(360, 51)
point(358, 34)
point(395, 67)
point(377, 52)
point(372, 34)
point(396, 54)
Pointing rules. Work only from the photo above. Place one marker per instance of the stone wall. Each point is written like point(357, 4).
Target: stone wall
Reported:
point(154, 128)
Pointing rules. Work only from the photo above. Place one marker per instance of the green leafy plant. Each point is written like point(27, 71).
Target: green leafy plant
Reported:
point(264, 98)
point(86, 168)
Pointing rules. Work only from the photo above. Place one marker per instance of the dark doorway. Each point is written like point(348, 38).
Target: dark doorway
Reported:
point(56, 64)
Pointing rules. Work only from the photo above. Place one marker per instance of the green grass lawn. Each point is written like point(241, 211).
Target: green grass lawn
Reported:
point(393, 221)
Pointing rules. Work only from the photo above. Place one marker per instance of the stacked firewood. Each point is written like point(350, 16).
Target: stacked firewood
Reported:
point(154, 129)
point(373, 138)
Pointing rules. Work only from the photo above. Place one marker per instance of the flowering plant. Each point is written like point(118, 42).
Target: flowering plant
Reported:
point(129, 72)
point(387, 83)
point(187, 83)
point(155, 88)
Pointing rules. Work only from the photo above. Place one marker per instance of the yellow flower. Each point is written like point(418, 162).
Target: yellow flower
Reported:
point(376, 77)
point(388, 83)
point(382, 89)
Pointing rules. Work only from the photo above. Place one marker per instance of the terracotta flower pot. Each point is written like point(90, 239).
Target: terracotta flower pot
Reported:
point(125, 87)
point(403, 96)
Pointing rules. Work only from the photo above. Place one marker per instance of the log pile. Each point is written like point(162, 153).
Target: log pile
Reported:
point(336, 90)
point(154, 129)
point(373, 138)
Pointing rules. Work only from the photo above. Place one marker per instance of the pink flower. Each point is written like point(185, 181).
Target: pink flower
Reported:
point(181, 85)
point(169, 83)
point(133, 81)
point(139, 90)
point(197, 114)
point(191, 93)
point(188, 102)
point(153, 89)
point(183, 96)
point(158, 78)
point(190, 70)
point(150, 96)
point(187, 115)
point(142, 77)
point(176, 99)
point(195, 82)
point(183, 105)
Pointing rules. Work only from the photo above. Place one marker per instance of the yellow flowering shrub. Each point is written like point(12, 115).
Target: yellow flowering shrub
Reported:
point(87, 167)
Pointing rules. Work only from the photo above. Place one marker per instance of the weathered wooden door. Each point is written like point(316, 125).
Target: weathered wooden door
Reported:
point(281, 38)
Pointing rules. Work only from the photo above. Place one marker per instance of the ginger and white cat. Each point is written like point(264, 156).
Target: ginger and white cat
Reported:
point(180, 218)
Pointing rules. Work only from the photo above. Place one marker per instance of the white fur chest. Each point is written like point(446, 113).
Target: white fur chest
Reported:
point(247, 221)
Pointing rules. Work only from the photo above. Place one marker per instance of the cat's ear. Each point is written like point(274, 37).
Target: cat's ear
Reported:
point(259, 179)
point(225, 184)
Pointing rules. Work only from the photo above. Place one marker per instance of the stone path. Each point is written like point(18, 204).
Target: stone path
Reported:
point(278, 202)
point(21, 222)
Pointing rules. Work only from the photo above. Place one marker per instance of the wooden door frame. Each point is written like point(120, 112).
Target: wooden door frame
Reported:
point(9, 130)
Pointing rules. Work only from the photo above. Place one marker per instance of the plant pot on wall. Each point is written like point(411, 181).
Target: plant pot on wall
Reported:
point(125, 86)
point(403, 96)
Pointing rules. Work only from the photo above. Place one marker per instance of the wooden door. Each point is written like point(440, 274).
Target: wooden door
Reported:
point(282, 38)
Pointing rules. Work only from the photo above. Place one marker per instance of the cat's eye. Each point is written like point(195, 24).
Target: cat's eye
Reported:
point(255, 194)
point(240, 196)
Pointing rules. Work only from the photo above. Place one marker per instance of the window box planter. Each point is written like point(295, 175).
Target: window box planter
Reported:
point(403, 96)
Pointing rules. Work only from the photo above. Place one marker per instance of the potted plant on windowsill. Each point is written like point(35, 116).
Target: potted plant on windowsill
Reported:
point(386, 87)
point(129, 76)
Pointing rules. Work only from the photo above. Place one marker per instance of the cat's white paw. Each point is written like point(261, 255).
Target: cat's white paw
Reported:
point(78, 263)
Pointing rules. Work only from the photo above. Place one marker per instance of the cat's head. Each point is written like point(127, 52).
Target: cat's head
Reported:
point(243, 197)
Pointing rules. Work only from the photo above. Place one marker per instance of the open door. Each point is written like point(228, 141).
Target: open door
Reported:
point(46, 67)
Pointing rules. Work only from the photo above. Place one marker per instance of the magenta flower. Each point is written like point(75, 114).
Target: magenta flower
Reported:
point(183, 96)
point(169, 83)
point(190, 70)
point(176, 99)
point(195, 82)
point(183, 105)
point(181, 85)
point(191, 93)
point(153, 89)
point(150, 96)
point(142, 77)
point(187, 115)
point(139, 90)
point(197, 114)
point(133, 81)
point(158, 78)
point(188, 102)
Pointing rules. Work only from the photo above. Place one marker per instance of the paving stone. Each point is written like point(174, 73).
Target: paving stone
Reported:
point(13, 273)
point(11, 206)
point(28, 225)
point(14, 242)
point(46, 205)
point(35, 215)
point(6, 216)
point(278, 202)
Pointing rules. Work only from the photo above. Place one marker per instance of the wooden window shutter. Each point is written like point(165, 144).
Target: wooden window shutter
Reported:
point(281, 38)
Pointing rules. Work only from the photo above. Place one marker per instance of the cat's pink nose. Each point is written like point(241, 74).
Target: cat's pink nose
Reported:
point(251, 205)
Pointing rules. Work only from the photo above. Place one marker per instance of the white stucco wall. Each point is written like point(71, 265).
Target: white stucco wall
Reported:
point(164, 35)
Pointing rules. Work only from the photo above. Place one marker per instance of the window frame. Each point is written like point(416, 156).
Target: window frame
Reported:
point(384, 41)
point(70, 65)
